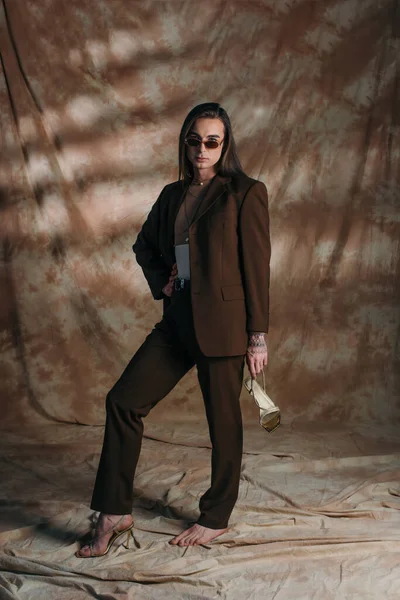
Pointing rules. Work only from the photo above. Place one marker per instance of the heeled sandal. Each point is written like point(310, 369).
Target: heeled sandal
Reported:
point(116, 534)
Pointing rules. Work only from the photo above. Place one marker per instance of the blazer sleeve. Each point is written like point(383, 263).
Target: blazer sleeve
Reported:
point(148, 254)
point(255, 254)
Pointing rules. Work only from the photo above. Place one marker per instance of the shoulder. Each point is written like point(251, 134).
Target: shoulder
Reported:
point(242, 183)
point(168, 193)
point(173, 187)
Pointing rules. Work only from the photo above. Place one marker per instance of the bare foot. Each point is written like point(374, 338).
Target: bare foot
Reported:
point(103, 532)
point(196, 535)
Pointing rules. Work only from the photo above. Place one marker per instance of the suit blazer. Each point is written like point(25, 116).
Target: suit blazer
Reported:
point(229, 260)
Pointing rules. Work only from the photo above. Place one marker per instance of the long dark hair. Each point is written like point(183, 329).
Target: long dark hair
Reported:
point(229, 163)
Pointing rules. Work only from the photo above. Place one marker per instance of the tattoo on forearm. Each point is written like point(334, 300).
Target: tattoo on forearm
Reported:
point(256, 344)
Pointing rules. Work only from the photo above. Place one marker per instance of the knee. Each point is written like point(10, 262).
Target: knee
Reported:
point(118, 401)
point(111, 400)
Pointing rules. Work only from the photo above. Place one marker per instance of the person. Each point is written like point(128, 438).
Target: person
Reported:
point(204, 250)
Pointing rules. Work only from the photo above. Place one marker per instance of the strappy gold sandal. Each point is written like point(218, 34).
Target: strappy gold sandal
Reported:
point(116, 534)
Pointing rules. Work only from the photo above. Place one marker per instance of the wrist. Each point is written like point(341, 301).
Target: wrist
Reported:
point(256, 336)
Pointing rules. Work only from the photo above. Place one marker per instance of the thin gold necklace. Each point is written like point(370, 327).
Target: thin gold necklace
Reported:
point(202, 182)
point(201, 191)
point(193, 195)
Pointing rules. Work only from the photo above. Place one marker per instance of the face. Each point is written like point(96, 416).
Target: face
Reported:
point(200, 156)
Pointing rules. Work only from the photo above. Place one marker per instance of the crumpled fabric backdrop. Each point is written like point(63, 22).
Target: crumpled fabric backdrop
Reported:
point(93, 95)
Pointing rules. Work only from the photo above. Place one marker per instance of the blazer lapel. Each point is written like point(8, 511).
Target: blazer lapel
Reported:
point(217, 188)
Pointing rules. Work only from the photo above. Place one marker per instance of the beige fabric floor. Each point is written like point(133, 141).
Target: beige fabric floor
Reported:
point(318, 516)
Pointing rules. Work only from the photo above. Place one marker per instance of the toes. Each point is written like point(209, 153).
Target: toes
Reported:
point(195, 539)
point(198, 541)
point(182, 537)
point(196, 536)
point(84, 551)
point(190, 540)
point(175, 541)
point(183, 542)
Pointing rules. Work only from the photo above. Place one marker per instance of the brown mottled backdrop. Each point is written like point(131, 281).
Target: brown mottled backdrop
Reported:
point(92, 97)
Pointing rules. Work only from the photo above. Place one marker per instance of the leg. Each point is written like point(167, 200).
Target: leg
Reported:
point(221, 382)
point(152, 373)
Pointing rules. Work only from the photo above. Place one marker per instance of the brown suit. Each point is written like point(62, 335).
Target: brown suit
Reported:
point(229, 260)
point(205, 325)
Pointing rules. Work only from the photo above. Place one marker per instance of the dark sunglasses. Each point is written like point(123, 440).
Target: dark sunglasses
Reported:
point(210, 144)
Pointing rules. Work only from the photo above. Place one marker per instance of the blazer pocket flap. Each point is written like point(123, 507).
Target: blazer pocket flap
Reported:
point(232, 292)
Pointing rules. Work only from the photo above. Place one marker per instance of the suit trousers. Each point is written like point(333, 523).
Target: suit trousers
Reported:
point(166, 355)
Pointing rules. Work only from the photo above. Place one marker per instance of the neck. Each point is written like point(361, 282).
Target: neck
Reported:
point(203, 174)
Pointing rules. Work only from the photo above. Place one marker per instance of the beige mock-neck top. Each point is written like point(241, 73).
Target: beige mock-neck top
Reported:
point(187, 212)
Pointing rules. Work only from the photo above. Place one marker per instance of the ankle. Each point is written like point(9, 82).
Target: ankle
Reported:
point(110, 520)
point(111, 517)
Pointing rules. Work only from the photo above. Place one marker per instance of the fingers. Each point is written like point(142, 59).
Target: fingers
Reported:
point(251, 366)
point(168, 290)
point(174, 272)
point(256, 363)
point(258, 367)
